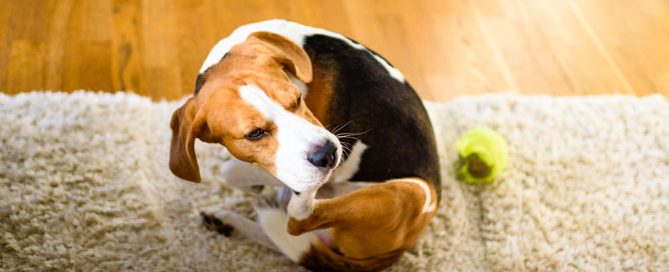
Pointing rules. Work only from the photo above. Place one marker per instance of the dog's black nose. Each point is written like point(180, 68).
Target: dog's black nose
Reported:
point(325, 156)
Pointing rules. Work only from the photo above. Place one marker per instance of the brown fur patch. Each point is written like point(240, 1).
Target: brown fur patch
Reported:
point(321, 90)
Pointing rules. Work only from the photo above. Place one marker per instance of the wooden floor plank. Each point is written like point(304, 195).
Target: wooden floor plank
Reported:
point(56, 23)
point(5, 39)
point(636, 35)
point(584, 62)
point(459, 60)
point(531, 67)
point(127, 47)
point(161, 34)
point(87, 57)
point(25, 68)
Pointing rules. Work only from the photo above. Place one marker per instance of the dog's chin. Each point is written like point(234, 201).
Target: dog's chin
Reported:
point(312, 184)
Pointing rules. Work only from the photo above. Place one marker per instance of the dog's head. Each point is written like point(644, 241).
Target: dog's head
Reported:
point(249, 104)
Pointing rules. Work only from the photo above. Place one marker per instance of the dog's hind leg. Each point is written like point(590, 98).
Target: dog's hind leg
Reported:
point(225, 222)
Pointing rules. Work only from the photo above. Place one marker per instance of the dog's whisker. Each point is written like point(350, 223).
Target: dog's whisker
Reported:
point(346, 124)
point(346, 146)
point(340, 127)
point(336, 129)
point(354, 133)
point(347, 137)
point(346, 149)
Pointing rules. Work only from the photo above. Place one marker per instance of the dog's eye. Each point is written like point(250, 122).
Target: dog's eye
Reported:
point(256, 134)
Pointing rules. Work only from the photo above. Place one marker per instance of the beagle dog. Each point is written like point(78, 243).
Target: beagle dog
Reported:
point(331, 120)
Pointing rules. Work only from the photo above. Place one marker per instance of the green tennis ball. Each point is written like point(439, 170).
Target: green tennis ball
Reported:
point(483, 154)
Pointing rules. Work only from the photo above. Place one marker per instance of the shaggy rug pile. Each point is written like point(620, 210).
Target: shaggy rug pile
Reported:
point(84, 186)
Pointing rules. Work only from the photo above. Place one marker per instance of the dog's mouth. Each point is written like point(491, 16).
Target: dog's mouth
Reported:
point(314, 167)
point(314, 185)
point(318, 177)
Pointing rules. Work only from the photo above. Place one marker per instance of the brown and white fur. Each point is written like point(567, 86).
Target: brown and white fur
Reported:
point(264, 93)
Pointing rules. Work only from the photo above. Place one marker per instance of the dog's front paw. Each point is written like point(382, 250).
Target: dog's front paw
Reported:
point(301, 205)
point(213, 222)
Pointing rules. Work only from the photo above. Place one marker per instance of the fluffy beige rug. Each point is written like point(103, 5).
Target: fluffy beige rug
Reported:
point(84, 185)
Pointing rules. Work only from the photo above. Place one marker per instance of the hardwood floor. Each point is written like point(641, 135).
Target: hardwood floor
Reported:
point(445, 48)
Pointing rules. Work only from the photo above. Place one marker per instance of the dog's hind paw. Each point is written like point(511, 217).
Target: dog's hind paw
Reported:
point(211, 222)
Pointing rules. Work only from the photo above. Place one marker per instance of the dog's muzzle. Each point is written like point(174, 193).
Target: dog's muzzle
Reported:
point(324, 156)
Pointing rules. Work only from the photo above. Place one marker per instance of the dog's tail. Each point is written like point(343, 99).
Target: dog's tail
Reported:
point(309, 251)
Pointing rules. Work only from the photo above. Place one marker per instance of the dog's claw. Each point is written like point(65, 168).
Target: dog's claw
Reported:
point(215, 224)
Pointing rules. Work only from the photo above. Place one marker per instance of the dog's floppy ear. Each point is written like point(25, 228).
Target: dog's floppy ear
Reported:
point(286, 52)
point(186, 126)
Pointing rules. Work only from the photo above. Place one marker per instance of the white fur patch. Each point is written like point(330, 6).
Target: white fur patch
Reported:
point(428, 206)
point(296, 136)
point(391, 70)
point(303, 87)
point(294, 32)
point(302, 206)
point(244, 175)
point(274, 223)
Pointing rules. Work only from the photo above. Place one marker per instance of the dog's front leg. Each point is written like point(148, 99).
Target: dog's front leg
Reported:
point(301, 205)
point(305, 213)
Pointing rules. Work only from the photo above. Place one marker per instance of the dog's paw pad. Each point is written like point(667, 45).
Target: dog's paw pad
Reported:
point(212, 223)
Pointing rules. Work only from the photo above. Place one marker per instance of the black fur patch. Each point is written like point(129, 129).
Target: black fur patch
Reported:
point(199, 82)
point(396, 126)
point(213, 223)
point(202, 77)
